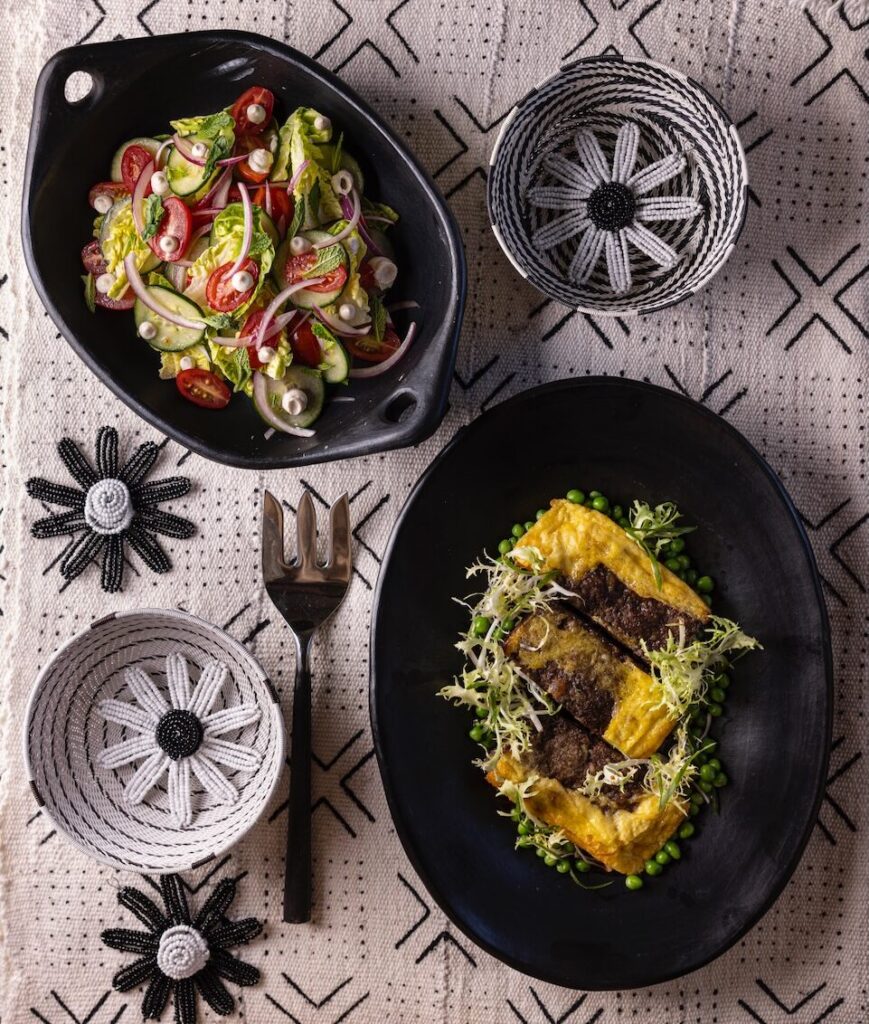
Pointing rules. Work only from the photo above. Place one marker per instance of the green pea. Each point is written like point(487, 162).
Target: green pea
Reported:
point(673, 564)
point(480, 625)
point(562, 867)
point(723, 681)
point(633, 882)
point(672, 848)
point(694, 810)
point(481, 712)
point(718, 695)
point(524, 828)
point(577, 497)
point(705, 584)
point(707, 599)
point(528, 525)
point(595, 494)
point(715, 763)
point(477, 733)
point(601, 504)
point(540, 513)
point(582, 866)
point(507, 625)
point(720, 780)
point(662, 857)
point(697, 799)
point(708, 773)
point(540, 852)
point(716, 710)
point(710, 746)
point(618, 512)
point(707, 787)
point(518, 530)
point(549, 860)
point(505, 546)
point(684, 561)
point(589, 502)
point(516, 814)
point(653, 868)
point(625, 524)
point(691, 576)
point(677, 546)
point(687, 830)
point(681, 574)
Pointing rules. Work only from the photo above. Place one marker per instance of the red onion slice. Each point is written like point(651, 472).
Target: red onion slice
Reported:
point(277, 302)
point(268, 202)
point(229, 161)
point(186, 150)
point(139, 195)
point(337, 325)
point(291, 184)
point(247, 237)
point(141, 290)
point(215, 188)
point(349, 228)
point(244, 340)
point(372, 246)
point(387, 364)
point(161, 149)
point(261, 400)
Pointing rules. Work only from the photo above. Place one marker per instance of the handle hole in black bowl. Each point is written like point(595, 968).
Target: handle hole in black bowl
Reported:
point(77, 87)
point(400, 406)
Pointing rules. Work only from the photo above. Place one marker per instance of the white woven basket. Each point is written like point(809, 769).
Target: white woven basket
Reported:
point(64, 733)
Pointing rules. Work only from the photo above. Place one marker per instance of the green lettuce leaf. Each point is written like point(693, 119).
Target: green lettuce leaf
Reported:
point(234, 365)
point(353, 244)
point(379, 210)
point(170, 362)
point(89, 292)
point(122, 239)
point(209, 125)
point(301, 141)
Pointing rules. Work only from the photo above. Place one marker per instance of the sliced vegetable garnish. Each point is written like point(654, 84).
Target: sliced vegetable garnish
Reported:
point(133, 162)
point(256, 96)
point(221, 291)
point(203, 388)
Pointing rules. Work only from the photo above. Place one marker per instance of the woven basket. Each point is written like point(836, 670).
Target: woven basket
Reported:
point(674, 114)
point(64, 734)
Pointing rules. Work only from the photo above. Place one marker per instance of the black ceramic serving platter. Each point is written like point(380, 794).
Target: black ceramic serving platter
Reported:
point(138, 86)
point(626, 439)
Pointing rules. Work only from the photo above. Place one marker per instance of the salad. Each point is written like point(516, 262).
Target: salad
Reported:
point(250, 257)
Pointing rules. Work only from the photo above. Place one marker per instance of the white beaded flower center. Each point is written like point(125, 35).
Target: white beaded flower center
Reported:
point(108, 507)
point(182, 952)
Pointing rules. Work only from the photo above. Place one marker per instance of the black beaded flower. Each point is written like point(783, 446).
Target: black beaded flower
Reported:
point(113, 507)
point(183, 953)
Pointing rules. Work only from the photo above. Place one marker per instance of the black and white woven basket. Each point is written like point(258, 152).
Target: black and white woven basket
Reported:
point(674, 114)
point(65, 734)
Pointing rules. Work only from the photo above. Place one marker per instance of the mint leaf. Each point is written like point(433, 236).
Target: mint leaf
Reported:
point(336, 154)
point(90, 292)
point(322, 333)
point(209, 125)
point(220, 321)
point(328, 259)
point(153, 209)
point(378, 317)
point(218, 150)
point(298, 217)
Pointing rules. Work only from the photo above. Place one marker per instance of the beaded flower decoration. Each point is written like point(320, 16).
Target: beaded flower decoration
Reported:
point(182, 953)
point(179, 737)
point(114, 507)
point(609, 206)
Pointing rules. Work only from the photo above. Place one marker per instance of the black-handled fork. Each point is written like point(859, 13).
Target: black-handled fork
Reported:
point(306, 594)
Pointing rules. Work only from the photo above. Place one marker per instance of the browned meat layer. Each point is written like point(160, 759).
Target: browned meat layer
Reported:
point(629, 618)
point(567, 752)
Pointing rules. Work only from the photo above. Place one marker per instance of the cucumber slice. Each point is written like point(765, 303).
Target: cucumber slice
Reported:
point(185, 178)
point(337, 368)
point(153, 261)
point(145, 141)
point(305, 299)
point(309, 381)
point(170, 337)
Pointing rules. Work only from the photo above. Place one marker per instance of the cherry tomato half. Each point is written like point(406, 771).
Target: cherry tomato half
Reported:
point(115, 190)
point(369, 349)
point(203, 388)
point(133, 162)
point(282, 204)
point(306, 348)
point(219, 292)
point(256, 94)
point(177, 222)
point(250, 328)
point(367, 278)
point(95, 264)
point(297, 267)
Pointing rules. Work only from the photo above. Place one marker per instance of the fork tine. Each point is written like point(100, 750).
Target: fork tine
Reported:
point(338, 559)
point(272, 537)
point(306, 533)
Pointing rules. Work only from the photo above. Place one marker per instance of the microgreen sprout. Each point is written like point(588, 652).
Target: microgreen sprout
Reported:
point(653, 529)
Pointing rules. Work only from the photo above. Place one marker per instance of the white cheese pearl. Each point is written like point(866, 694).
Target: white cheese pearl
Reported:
point(147, 330)
point(294, 402)
point(342, 183)
point(322, 123)
point(347, 310)
point(298, 245)
point(168, 244)
point(103, 203)
point(256, 113)
point(385, 271)
point(199, 150)
point(242, 280)
point(159, 183)
point(273, 143)
point(187, 363)
point(260, 160)
point(104, 282)
point(266, 354)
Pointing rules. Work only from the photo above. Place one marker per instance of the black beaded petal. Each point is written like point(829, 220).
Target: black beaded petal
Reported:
point(611, 206)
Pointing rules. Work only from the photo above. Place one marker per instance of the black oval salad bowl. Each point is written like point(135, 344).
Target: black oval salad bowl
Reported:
point(138, 85)
point(630, 440)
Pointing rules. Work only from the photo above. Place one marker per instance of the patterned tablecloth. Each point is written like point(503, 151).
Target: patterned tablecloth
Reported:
point(777, 344)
